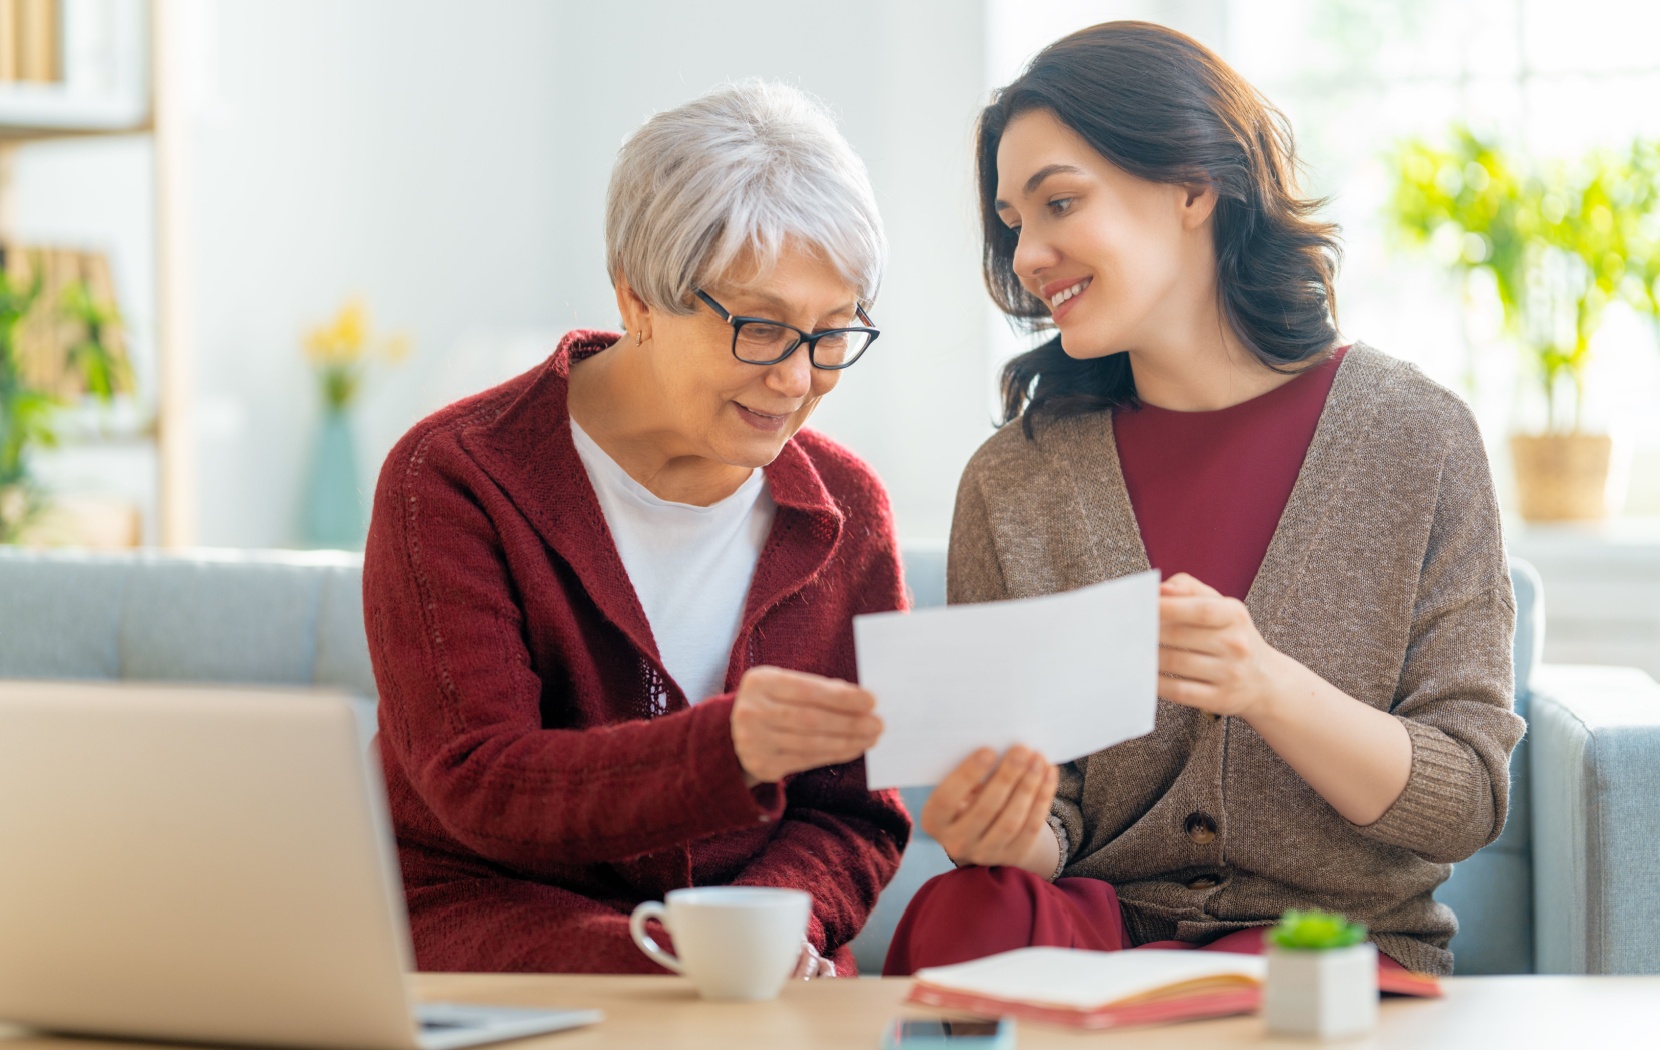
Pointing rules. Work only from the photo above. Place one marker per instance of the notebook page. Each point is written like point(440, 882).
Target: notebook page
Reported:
point(1085, 980)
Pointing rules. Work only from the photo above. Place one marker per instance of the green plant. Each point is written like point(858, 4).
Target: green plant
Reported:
point(1561, 241)
point(1315, 931)
point(26, 410)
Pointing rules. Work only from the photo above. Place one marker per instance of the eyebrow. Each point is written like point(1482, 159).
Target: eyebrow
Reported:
point(783, 307)
point(1037, 180)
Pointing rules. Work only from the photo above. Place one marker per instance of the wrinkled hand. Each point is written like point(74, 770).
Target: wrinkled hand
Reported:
point(786, 722)
point(812, 964)
point(996, 812)
point(1211, 655)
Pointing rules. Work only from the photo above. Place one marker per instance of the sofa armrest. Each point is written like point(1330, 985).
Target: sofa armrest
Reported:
point(1596, 820)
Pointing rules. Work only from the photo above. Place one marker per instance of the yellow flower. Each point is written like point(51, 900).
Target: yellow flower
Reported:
point(340, 349)
point(341, 340)
point(351, 328)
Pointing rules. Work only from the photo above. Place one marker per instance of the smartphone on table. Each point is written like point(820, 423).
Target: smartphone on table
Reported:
point(929, 1033)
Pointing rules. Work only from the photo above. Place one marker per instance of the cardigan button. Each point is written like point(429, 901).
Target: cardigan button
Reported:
point(765, 818)
point(1201, 828)
point(1204, 882)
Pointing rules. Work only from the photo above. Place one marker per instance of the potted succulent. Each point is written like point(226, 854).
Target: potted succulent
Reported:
point(1322, 977)
point(1561, 242)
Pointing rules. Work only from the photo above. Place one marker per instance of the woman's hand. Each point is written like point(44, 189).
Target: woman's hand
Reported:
point(1211, 655)
point(811, 964)
point(785, 722)
point(989, 812)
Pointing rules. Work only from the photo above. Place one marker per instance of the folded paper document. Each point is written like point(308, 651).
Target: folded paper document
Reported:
point(1064, 674)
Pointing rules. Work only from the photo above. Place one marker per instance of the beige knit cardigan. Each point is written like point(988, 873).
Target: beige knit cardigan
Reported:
point(1386, 576)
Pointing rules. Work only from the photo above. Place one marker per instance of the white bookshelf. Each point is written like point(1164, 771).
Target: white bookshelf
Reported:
point(106, 76)
point(117, 79)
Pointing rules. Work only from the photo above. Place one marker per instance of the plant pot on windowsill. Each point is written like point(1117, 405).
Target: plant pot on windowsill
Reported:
point(1562, 476)
point(1322, 977)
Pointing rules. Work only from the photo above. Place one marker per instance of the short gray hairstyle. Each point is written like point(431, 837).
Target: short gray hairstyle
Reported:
point(744, 169)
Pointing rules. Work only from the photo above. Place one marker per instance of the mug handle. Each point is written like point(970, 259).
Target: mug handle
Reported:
point(637, 929)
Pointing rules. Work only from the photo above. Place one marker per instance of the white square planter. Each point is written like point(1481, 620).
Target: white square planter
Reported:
point(1327, 994)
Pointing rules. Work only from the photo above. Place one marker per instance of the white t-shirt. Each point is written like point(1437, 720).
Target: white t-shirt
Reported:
point(690, 565)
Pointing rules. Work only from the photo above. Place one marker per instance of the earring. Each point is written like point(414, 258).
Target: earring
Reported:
point(639, 337)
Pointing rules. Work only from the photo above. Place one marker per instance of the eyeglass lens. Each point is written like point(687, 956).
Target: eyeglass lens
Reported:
point(760, 343)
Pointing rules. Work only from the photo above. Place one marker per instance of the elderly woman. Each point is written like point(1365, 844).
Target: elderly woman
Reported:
point(609, 601)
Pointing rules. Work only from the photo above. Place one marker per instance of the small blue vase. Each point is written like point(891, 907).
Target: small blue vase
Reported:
point(334, 503)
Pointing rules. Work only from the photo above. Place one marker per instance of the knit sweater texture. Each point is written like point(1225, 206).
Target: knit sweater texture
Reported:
point(1386, 576)
point(545, 772)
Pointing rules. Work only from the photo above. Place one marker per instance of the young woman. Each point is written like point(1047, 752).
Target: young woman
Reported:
point(1335, 718)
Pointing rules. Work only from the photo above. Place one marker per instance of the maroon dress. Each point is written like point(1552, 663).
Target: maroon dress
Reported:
point(1208, 490)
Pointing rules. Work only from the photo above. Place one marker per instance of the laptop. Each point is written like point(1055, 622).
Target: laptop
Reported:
point(209, 865)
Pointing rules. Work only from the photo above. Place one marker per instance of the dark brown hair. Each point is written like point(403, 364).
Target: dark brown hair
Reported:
point(1163, 107)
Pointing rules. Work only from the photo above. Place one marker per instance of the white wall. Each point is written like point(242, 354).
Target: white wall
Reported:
point(405, 151)
point(449, 161)
point(905, 79)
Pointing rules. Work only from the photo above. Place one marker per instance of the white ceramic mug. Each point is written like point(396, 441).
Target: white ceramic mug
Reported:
point(734, 942)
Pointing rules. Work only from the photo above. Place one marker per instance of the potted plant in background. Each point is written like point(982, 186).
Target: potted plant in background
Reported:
point(1561, 242)
point(32, 391)
point(1322, 977)
point(341, 353)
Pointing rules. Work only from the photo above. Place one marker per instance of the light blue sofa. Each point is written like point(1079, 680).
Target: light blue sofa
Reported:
point(1568, 888)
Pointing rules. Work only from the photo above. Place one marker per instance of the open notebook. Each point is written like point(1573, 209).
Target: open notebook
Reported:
point(1087, 989)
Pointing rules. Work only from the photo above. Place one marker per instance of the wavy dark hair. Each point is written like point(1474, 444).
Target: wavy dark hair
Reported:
point(1163, 107)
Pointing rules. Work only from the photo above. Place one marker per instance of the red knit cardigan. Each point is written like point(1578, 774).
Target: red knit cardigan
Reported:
point(545, 773)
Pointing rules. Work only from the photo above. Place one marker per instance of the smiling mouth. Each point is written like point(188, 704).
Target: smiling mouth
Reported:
point(1064, 294)
point(764, 421)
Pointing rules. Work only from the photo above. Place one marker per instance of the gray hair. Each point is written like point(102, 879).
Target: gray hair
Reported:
point(744, 169)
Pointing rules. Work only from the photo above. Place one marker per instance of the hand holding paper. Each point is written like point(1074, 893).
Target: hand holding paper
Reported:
point(1064, 674)
point(996, 812)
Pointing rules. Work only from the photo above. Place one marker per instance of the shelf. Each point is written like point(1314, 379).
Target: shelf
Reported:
point(33, 120)
point(120, 75)
point(105, 87)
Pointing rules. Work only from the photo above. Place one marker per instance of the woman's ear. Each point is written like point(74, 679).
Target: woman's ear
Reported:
point(1199, 201)
point(636, 315)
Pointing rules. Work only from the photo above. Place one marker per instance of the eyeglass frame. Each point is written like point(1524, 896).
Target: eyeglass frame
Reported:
point(737, 321)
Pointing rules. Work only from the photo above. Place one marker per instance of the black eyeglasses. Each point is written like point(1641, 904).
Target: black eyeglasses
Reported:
point(762, 341)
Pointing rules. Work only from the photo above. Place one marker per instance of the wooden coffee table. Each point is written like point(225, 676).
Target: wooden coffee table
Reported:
point(1510, 1013)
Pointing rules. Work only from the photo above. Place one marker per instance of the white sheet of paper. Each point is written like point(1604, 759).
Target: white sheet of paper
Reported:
point(1064, 674)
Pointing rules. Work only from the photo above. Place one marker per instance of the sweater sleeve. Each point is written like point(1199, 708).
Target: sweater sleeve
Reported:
point(1455, 693)
point(837, 836)
point(461, 703)
point(974, 574)
point(972, 570)
point(842, 840)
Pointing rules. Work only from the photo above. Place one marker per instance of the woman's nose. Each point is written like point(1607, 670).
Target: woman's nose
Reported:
point(793, 376)
point(1032, 255)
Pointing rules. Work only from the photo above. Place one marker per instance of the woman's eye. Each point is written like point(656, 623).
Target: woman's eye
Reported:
point(760, 334)
point(1062, 205)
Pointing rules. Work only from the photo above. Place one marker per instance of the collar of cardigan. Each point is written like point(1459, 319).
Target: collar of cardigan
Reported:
point(526, 449)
